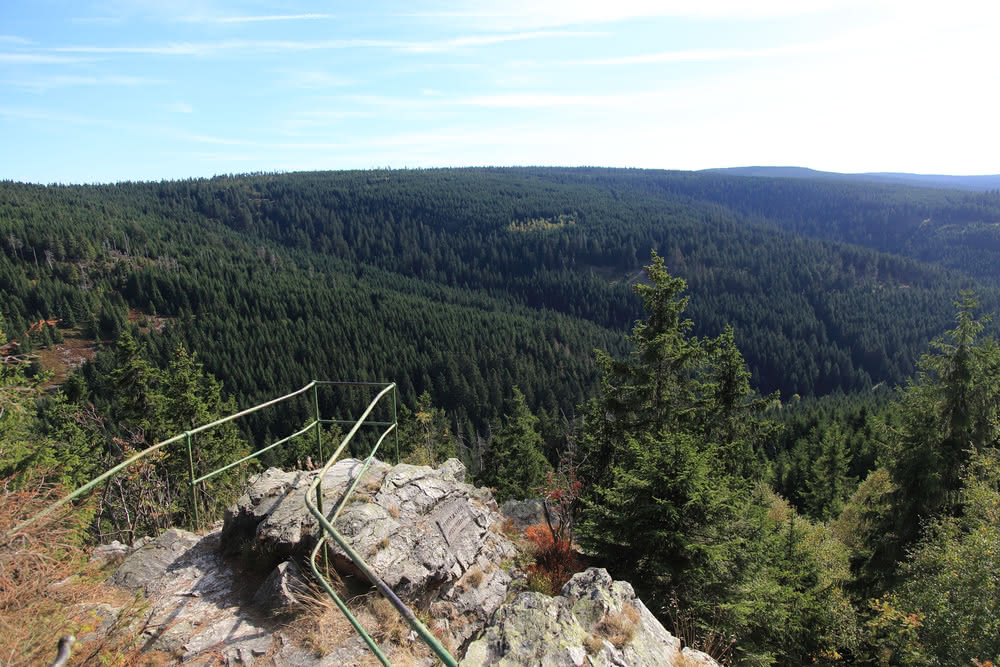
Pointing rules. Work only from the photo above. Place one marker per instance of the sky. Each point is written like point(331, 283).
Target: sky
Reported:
point(116, 90)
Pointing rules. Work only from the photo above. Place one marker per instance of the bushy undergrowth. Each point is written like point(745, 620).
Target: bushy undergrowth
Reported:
point(555, 561)
point(46, 584)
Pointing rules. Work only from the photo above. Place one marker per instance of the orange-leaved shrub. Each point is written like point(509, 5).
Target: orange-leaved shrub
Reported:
point(555, 560)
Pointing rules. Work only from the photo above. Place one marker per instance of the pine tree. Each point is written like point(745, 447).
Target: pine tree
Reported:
point(670, 451)
point(514, 466)
point(829, 483)
point(425, 436)
point(949, 412)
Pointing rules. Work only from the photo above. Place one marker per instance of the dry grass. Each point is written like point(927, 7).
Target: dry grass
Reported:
point(47, 587)
point(474, 576)
point(387, 624)
point(618, 628)
point(593, 644)
point(393, 510)
point(372, 484)
point(682, 659)
point(710, 641)
point(507, 527)
point(322, 628)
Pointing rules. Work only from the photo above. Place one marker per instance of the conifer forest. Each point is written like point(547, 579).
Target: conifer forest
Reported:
point(774, 403)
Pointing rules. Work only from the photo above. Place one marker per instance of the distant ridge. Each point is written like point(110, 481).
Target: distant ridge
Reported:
point(979, 183)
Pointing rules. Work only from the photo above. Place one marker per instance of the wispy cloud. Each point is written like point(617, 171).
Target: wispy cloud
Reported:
point(314, 79)
point(13, 58)
point(533, 100)
point(253, 19)
point(704, 55)
point(49, 82)
point(518, 100)
point(47, 115)
point(97, 20)
point(312, 123)
point(428, 46)
point(210, 139)
point(531, 14)
point(14, 39)
point(172, 49)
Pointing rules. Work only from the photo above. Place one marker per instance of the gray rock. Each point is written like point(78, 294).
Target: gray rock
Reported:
point(282, 591)
point(526, 513)
point(109, 553)
point(432, 538)
point(145, 567)
point(594, 621)
point(196, 610)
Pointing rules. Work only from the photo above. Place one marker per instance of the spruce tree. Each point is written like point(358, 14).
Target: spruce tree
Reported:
point(949, 412)
point(671, 450)
point(515, 466)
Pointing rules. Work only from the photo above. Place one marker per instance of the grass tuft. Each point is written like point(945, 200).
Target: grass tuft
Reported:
point(618, 628)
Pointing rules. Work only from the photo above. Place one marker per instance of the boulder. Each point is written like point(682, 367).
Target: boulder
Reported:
point(594, 621)
point(524, 513)
point(429, 536)
point(282, 591)
point(114, 552)
point(196, 600)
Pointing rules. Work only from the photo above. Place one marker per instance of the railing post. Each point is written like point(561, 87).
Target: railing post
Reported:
point(396, 422)
point(319, 461)
point(194, 492)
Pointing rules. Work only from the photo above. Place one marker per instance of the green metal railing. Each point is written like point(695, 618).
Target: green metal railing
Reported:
point(326, 530)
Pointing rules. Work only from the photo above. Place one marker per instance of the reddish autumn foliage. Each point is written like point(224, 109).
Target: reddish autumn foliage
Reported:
point(555, 560)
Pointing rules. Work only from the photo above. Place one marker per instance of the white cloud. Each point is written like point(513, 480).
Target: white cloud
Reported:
point(531, 14)
point(13, 39)
point(702, 55)
point(253, 19)
point(411, 46)
point(97, 20)
point(49, 82)
point(9, 58)
point(314, 79)
point(532, 100)
point(47, 115)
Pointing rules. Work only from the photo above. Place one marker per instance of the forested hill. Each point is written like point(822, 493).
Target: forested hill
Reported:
point(466, 282)
point(977, 183)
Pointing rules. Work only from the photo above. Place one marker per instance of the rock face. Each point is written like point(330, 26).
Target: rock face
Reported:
point(195, 600)
point(432, 538)
point(526, 513)
point(429, 536)
point(594, 621)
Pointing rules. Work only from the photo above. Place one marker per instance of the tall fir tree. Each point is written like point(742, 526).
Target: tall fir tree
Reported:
point(514, 466)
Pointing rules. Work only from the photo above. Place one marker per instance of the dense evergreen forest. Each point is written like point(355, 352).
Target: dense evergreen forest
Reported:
point(466, 282)
point(787, 349)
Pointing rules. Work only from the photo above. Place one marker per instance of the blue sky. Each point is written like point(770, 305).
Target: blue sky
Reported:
point(112, 90)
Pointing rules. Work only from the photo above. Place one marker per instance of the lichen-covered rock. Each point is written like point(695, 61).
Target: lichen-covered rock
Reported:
point(594, 621)
point(109, 553)
point(526, 513)
point(429, 536)
point(282, 591)
point(145, 567)
point(196, 601)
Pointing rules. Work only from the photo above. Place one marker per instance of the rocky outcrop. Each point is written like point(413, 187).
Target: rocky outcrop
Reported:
point(524, 513)
point(196, 600)
point(432, 538)
point(594, 621)
point(429, 536)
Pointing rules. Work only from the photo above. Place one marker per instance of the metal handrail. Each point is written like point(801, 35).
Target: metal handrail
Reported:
point(149, 450)
point(326, 525)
